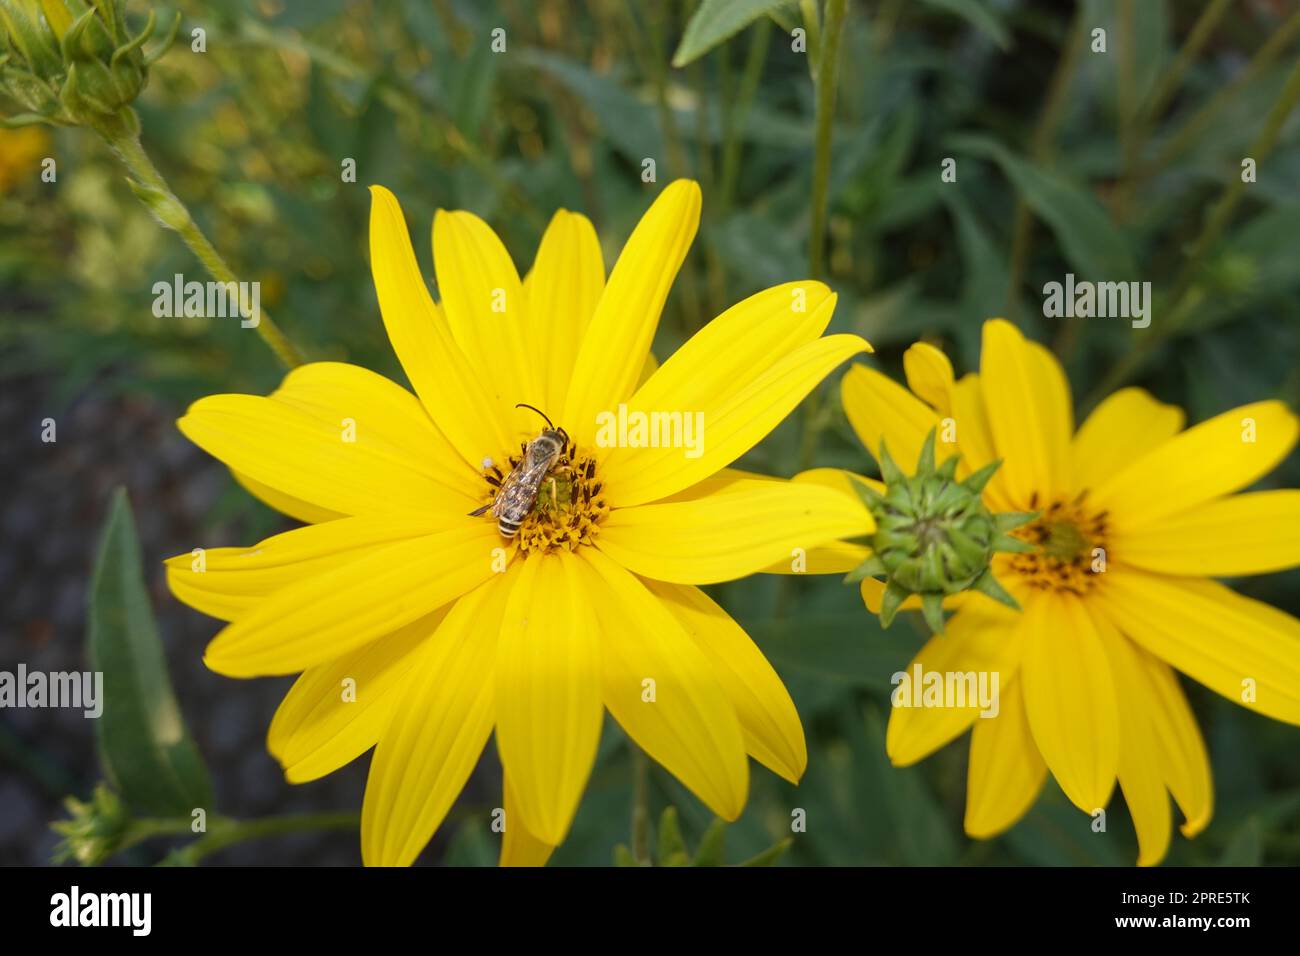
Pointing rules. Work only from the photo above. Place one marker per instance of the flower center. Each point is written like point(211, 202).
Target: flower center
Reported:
point(1071, 542)
point(568, 507)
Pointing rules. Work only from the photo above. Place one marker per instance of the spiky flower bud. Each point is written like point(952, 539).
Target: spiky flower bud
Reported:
point(73, 62)
point(934, 535)
point(95, 828)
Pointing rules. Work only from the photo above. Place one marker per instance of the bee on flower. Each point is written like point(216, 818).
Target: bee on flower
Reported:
point(580, 594)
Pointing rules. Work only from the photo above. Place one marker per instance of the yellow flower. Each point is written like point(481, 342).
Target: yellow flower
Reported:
point(1135, 516)
point(20, 152)
point(445, 630)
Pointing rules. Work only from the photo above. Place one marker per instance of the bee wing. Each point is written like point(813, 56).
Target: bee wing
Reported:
point(519, 491)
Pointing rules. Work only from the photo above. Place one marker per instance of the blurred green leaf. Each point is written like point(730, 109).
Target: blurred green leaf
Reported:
point(672, 847)
point(712, 848)
point(978, 15)
point(715, 21)
point(772, 855)
point(919, 831)
point(1057, 833)
point(1089, 239)
point(473, 845)
point(1246, 847)
point(145, 747)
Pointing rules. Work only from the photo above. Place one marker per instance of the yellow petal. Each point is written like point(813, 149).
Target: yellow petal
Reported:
point(487, 311)
point(563, 288)
point(336, 711)
point(303, 511)
point(308, 458)
point(929, 375)
point(836, 557)
point(438, 729)
point(1027, 400)
point(1006, 771)
point(1140, 757)
point(452, 390)
point(733, 421)
point(663, 690)
point(345, 607)
point(1124, 427)
point(702, 377)
point(1238, 647)
point(768, 720)
point(368, 409)
point(975, 441)
point(983, 640)
point(1251, 533)
point(841, 480)
point(879, 409)
point(548, 693)
point(618, 337)
point(729, 533)
point(649, 368)
point(1184, 763)
point(1208, 460)
point(1070, 699)
point(518, 846)
point(227, 583)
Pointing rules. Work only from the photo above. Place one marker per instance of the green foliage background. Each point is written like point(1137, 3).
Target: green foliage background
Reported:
point(1060, 168)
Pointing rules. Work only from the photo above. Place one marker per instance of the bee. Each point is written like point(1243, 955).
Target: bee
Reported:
point(517, 494)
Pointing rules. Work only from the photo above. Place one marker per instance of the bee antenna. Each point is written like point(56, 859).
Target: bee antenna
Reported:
point(537, 410)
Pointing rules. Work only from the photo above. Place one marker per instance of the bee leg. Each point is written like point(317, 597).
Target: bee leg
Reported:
point(555, 501)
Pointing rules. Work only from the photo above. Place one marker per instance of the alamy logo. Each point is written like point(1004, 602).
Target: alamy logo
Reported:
point(79, 691)
point(1102, 300)
point(944, 689)
point(212, 300)
point(75, 908)
point(625, 429)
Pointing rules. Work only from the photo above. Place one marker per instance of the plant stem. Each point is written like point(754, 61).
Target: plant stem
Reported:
point(640, 805)
point(828, 58)
point(1200, 33)
point(1188, 132)
point(826, 81)
point(122, 135)
point(739, 111)
point(225, 832)
point(1039, 148)
point(1147, 113)
point(1180, 299)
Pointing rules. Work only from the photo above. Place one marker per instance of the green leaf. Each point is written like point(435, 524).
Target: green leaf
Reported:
point(145, 747)
point(1089, 239)
point(1246, 848)
point(917, 829)
point(772, 855)
point(712, 846)
point(672, 848)
point(979, 16)
point(715, 21)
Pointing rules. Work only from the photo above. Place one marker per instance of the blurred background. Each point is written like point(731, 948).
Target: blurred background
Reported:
point(1109, 165)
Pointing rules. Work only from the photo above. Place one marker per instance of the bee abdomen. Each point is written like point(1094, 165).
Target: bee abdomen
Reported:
point(508, 527)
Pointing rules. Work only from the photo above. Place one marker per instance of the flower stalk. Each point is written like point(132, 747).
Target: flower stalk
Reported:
point(122, 133)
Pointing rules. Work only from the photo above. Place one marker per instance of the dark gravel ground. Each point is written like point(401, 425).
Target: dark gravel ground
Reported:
point(55, 498)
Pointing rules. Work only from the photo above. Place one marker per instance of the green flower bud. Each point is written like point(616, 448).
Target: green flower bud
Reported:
point(934, 535)
point(95, 829)
point(73, 62)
